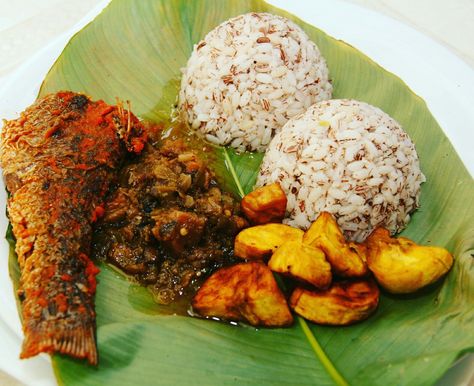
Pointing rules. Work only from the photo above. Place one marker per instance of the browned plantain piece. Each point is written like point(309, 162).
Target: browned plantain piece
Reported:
point(360, 249)
point(343, 303)
point(260, 241)
point(302, 262)
point(265, 205)
point(324, 233)
point(244, 292)
point(402, 266)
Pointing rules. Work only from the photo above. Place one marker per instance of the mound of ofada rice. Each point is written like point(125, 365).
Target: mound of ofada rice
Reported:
point(347, 158)
point(248, 77)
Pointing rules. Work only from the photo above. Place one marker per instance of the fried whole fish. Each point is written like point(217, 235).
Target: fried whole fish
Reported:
point(58, 161)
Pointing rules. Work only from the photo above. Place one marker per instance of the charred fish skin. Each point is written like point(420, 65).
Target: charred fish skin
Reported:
point(58, 160)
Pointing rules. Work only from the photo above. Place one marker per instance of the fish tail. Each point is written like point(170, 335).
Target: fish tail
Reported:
point(48, 336)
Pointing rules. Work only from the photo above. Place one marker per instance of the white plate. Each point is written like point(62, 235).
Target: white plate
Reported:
point(444, 81)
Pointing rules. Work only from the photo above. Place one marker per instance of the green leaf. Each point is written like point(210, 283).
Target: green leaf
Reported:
point(238, 172)
point(134, 50)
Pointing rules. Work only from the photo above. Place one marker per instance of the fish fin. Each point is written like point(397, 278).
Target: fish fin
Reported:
point(54, 337)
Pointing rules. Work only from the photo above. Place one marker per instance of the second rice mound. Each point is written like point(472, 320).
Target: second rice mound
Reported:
point(248, 76)
point(350, 159)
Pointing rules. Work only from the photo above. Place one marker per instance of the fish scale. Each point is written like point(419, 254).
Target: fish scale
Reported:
point(58, 161)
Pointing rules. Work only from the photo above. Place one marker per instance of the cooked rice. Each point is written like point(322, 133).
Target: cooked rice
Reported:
point(248, 77)
point(350, 159)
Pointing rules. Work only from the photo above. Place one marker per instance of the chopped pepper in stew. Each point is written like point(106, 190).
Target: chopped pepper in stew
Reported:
point(167, 223)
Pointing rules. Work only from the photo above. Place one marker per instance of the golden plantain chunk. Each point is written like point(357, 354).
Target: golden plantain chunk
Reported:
point(324, 233)
point(401, 266)
point(360, 249)
point(244, 292)
point(260, 241)
point(343, 303)
point(265, 205)
point(302, 262)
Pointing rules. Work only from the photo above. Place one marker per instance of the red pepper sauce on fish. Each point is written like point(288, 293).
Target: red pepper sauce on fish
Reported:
point(58, 161)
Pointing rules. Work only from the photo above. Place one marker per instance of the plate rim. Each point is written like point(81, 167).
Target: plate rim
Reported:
point(461, 78)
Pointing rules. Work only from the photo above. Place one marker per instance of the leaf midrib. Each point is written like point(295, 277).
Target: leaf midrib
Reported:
point(313, 342)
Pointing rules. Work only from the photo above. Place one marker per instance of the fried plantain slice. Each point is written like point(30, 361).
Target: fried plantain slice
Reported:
point(344, 303)
point(258, 242)
point(302, 262)
point(244, 292)
point(265, 205)
point(401, 266)
point(324, 233)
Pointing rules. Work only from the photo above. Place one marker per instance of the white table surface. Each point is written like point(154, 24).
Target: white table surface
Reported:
point(28, 25)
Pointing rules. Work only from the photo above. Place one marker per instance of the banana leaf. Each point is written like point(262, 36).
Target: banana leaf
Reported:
point(134, 50)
